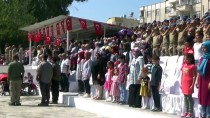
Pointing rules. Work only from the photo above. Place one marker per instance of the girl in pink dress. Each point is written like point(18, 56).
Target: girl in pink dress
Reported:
point(187, 83)
point(108, 83)
point(115, 90)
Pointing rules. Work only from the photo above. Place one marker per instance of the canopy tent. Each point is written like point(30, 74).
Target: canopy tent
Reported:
point(77, 30)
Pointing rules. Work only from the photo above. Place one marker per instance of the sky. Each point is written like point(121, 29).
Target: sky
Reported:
point(102, 10)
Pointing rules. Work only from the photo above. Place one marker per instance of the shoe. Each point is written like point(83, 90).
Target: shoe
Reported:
point(54, 103)
point(86, 96)
point(11, 104)
point(143, 108)
point(189, 115)
point(18, 104)
point(156, 109)
point(122, 103)
point(43, 104)
point(184, 115)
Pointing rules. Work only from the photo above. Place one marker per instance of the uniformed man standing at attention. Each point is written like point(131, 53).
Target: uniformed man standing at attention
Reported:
point(15, 77)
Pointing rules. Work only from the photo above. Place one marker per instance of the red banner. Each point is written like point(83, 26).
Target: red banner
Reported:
point(58, 29)
point(83, 24)
point(57, 42)
point(68, 24)
point(43, 31)
point(47, 40)
point(29, 36)
point(62, 26)
point(48, 31)
point(52, 30)
point(98, 28)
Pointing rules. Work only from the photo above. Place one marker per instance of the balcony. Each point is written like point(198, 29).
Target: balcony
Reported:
point(141, 19)
point(174, 13)
point(184, 7)
point(172, 1)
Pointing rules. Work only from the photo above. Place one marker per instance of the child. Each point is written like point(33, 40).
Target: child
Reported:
point(144, 91)
point(115, 90)
point(86, 73)
point(156, 76)
point(107, 85)
point(187, 83)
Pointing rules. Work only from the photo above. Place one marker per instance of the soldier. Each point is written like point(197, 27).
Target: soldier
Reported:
point(182, 34)
point(165, 43)
point(173, 35)
point(10, 54)
point(7, 58)
point(14, 50)
point(156, 42)
point(21, 53)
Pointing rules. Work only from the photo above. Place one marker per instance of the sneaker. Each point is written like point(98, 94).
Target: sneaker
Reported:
point(184, 115)
point(18, 104)
point(156, 109)
point(86, 96)
point(11, 104)
point(143, 108)
point(189, 115)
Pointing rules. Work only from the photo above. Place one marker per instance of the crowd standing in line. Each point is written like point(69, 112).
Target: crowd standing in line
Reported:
point(121, 64)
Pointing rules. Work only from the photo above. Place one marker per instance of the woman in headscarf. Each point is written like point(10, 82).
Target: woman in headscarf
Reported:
point(137, 63)
point(204, 81)
point(81, 56)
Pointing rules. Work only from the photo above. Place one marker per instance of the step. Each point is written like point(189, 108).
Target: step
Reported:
point(108, 109)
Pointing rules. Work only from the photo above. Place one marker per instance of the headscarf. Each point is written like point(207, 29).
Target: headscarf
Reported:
point(206, 57)
point(88, 55)
point(81, 56)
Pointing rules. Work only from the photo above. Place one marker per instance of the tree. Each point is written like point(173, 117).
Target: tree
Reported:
point(19, 13)
point(45, 9)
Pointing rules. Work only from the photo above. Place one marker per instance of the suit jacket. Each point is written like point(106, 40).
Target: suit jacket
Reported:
point(156, 75)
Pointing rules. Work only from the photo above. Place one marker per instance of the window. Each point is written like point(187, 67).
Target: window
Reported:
point(197, 1)
point(157, 12)
point(148, 13)
point(168, 10)
point(198, 14)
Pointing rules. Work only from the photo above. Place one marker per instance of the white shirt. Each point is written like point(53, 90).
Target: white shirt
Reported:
point(197, 51)
point(64, 65)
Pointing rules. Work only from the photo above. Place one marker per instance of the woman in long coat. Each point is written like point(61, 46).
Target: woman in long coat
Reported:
point(204, 81)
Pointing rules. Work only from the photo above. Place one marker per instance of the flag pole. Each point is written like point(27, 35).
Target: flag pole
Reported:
point(30, 52)
point(67, 40)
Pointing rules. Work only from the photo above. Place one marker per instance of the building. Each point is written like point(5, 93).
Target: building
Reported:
point(172, 8)
point(123, 21)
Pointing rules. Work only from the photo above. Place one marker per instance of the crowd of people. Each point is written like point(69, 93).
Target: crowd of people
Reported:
point(120, 65)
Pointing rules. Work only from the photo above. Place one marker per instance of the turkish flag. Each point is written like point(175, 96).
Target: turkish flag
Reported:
point(40, 31)
point(48, 31)
point(29, 36)
point(98, 28)
point(43, 31)
point(52, 30)
point(62, 26)
point(83, 24)
point(47, 40)
point(68, 24)
point(58, 29)
point(57, 42)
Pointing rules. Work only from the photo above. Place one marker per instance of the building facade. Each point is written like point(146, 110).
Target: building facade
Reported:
point(172, 8)
point(123, 21)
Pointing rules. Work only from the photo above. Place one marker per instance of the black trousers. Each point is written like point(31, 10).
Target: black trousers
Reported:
point(64, 82)
point(87, 86)
point(156, 96)
point(81, 86)
point(134, 98)
point(45, 91)
point(55, 90)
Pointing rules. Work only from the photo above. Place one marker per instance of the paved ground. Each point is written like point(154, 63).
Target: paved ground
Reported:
point(29, 109)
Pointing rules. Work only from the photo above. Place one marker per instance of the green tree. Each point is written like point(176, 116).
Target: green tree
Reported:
point(19, 13)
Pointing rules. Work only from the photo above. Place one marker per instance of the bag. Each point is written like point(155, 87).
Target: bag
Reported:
point(91, 80)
